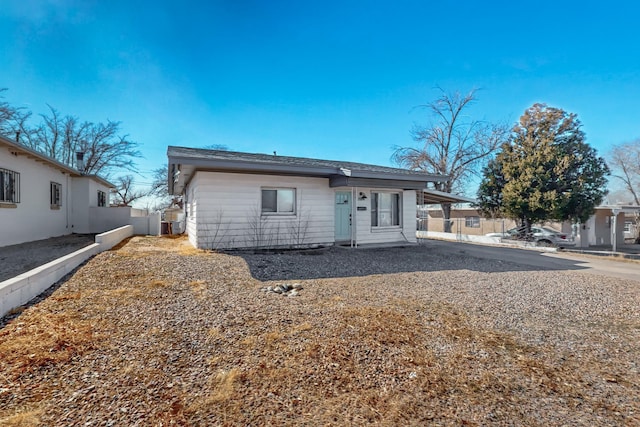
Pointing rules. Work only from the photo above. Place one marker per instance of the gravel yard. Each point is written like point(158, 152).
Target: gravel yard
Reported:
point(157, 333)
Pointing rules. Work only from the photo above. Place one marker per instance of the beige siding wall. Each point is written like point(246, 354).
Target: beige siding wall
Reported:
point(224, 211)
point(405, 232)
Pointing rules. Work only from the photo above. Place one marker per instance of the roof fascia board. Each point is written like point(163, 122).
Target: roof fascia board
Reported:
point(435, 196)
point(52, 162)
point(399, 176)
point(40, 156)
point(246, 166)
point(250, 166)
point(344, 181)
point(98, 179)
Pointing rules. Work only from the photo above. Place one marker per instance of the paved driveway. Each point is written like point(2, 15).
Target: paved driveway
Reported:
point(542, 260)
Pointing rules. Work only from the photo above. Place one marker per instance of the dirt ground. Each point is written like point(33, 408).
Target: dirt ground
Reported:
point(155, 332)
point(18, 259)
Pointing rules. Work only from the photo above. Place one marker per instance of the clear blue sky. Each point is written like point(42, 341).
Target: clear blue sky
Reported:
point(325, 79)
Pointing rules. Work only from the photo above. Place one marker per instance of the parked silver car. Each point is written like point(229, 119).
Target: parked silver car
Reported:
point(542, 236)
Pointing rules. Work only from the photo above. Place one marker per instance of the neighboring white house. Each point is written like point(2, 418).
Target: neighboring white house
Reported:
point(41, 198)
point(241, 200)
point(606, 226)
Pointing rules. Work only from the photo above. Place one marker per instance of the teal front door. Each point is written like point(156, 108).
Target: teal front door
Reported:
point(343, 216)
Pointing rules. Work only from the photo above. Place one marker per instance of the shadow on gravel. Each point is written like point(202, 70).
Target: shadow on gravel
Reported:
point(429, 256)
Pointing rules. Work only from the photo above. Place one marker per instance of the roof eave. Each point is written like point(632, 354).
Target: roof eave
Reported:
point(52, 162)
point(40, 156)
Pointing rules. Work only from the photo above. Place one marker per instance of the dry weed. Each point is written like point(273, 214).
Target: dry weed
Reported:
point(24, 418)
point(199, 288)
point(46, 338)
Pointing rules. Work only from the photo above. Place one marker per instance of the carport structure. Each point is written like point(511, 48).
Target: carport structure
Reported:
point(435, 197)
point(606, 226)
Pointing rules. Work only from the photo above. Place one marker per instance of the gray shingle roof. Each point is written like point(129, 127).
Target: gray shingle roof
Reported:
point(215, 156)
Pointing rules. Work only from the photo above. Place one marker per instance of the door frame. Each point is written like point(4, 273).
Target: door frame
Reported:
point(347, 215)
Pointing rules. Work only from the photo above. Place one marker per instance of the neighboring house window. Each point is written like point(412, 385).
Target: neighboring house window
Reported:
point(9, 186)
point(627, 226)
point(472, 221)
point(55, 195)
point(385, 209)
point(102, 198)
point(278, 201)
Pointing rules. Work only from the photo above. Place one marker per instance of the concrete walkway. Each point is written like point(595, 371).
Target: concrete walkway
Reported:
point(18, 259)
point(628, 251)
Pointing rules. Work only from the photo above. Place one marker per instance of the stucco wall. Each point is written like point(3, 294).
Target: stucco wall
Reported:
point(33, 218)
point(87, 217)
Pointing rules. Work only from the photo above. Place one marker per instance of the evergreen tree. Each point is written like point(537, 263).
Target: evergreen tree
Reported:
point(545, 172)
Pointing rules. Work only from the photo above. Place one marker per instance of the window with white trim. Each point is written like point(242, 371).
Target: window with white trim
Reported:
point(385, 209)
point(9, 186)
point(627, 226)
point(278, 201)
point(102, 199)
point(55, 195)
point(472, 221)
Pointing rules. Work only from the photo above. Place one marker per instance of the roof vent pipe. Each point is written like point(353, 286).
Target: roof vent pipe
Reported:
point(80, 161)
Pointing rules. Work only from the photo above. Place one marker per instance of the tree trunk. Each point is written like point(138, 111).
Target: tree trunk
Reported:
point(446, 216)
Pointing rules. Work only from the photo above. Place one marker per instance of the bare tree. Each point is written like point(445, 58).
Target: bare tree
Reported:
point(624, 160)
point(105, 150)
point(6, 114)
point(125, 193)
point(160, 184)
point(60, 137)
point(451, 144)
point(13, 120)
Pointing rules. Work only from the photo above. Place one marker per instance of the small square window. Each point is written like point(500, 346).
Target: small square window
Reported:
point(278, 201)
point(55, 197)
point(472, 221)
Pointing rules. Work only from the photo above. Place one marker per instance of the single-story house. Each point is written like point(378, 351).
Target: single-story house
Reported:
point(244, 200)
point(606, 227)
point(41, 197)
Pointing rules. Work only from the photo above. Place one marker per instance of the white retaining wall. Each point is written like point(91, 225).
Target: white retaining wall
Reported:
point(457, 237)
point(21, 289)
point(482, 239)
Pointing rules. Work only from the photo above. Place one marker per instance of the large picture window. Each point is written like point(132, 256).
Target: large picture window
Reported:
point(278, 201)
point(385, 209)
point(9, 186)
point(55, 197)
